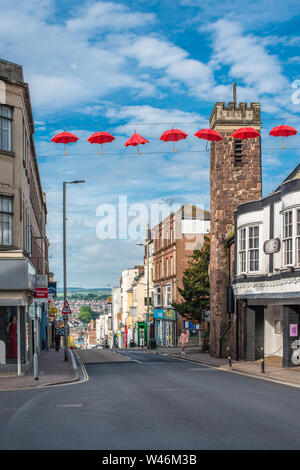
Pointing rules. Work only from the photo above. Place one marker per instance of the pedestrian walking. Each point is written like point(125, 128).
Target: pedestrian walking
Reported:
point(57, 340)
point(184, 339)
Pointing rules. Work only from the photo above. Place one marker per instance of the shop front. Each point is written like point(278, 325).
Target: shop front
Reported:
point(142, 330)
point(15, 333)
point(165, 327)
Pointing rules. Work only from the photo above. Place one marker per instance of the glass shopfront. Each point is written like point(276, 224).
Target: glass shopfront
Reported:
point(8, 335)
point(165, 327)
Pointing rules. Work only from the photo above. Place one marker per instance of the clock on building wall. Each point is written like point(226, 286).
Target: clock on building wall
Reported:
point(272, 246)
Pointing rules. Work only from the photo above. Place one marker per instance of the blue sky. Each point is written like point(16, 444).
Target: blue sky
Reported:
point(145, 66)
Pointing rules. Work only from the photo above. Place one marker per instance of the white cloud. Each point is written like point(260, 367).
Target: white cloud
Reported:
point(108, 16)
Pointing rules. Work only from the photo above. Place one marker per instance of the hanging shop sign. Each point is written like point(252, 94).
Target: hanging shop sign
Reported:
point(272, 246)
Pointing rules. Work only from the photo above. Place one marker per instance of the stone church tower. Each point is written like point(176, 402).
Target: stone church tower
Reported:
point(235, 178)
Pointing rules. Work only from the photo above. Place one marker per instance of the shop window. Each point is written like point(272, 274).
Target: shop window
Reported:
point(5, 128)
point(6, 220)
point(8, 333)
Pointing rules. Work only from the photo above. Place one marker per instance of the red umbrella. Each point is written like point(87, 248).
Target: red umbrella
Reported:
point(173, 135)
point(209, 134)
point(245, 133)
point(283, 131)
point(64, 138)
point(136, 140)
point(101, 138)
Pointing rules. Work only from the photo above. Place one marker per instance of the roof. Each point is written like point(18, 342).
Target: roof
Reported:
point(293, 175)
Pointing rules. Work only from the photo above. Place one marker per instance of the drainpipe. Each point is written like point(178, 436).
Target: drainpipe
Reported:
point(236, 304)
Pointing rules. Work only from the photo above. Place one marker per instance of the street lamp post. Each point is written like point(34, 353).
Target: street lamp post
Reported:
point(65, 259)
point(148, 285)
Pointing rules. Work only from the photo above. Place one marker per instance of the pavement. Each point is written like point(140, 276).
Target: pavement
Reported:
point(53, 369)
point(289, 376)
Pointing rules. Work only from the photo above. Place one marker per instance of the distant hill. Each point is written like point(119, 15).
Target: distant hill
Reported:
point(83, 293)
point(100, 290)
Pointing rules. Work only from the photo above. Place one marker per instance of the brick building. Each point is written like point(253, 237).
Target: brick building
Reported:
point(235, 178)
point(175, 238)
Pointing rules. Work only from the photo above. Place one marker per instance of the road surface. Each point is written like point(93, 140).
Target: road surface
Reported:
point(150, 401)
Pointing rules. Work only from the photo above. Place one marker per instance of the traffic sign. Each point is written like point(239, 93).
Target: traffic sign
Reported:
point(66, 310)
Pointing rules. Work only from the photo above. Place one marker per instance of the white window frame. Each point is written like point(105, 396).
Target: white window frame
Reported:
point(291, 237)
point(287, 237)
point(168, 295)
point(242, 250)
point(297, 233)
point(245, 248)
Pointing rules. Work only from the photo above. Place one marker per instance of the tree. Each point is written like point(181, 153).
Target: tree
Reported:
point(85, 313)
point(195, 281)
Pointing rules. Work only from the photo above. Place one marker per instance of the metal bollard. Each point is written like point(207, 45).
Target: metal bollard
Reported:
point(229, 361)
point(262, 362)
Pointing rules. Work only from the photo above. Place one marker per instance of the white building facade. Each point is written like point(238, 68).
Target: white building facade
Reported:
point(267, 267)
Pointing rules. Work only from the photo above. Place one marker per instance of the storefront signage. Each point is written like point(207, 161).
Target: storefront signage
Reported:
point(158, 313)
point(41, 293)
point(293, 330)
point(170, 315)
point(272, 246)
point(41, 280)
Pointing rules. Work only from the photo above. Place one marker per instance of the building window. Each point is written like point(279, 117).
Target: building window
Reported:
point(249, 249)
point(167, 267)
point(6, 220)
point(298, 237)
point(5, 127)
point(167, 296)
point(157, 296)
point(253, 248)
point(288, 238)
point(171, 266)
point(242, 250)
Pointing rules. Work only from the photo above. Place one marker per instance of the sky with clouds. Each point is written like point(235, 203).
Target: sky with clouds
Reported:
point(145, 66)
